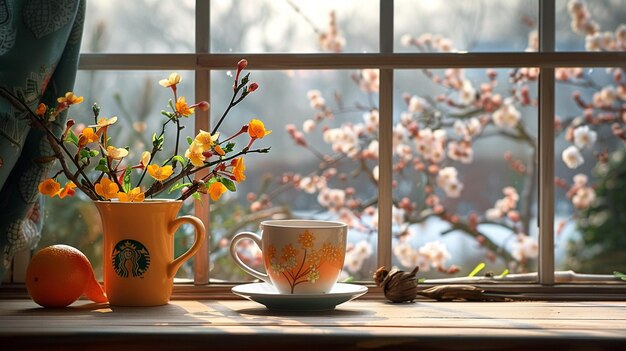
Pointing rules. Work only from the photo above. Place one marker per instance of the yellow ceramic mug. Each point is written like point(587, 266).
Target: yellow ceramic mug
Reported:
point(139, 264)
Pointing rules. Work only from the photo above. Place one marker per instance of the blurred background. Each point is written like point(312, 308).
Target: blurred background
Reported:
point(475, 202)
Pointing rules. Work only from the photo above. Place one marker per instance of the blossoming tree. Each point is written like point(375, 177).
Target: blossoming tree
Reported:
point(435, 138)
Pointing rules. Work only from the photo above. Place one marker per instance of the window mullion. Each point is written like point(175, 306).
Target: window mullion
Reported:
point(202, 121)
point(546, 147)
point(385, 137)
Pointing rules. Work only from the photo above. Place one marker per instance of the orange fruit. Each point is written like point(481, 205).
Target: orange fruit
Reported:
point(59, 274)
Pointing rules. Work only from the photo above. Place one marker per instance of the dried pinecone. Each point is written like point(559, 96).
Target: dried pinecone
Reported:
point(398, 286)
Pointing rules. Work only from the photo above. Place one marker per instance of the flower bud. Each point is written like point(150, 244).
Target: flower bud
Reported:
point(242, 64)
point(203, 106)
point(253, 86)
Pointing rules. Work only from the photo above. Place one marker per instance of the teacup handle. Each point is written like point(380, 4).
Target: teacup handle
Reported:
point(198, 226)
point(233, 253)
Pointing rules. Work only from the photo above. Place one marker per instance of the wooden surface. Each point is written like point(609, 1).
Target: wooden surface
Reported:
point(361, 324)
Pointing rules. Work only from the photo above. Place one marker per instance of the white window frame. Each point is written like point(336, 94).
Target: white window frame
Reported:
point(203, 61)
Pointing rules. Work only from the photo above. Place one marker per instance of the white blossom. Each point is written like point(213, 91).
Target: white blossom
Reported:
point(583, 198)
point(572, 157)
point(436, 252)
point(308, 126)
point(584, 137)
point(507, 115)
point(525, 247)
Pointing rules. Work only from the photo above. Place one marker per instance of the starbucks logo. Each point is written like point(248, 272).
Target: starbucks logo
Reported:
point(130, 258)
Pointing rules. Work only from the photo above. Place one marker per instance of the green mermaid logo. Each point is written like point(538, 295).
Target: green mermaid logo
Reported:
point(130, 259)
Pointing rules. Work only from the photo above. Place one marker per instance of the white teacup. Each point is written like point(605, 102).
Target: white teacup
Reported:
point(300, 256)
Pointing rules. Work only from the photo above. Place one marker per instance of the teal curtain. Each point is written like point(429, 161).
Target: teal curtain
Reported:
point(39, 50)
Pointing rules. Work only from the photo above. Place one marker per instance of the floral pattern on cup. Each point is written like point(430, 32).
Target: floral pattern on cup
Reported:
point(306, 263)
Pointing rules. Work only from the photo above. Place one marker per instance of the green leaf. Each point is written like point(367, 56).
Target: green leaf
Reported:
point(72, 138)
point(157, 142)
point(421, 280)
point(102, 165)
point(84, 153)
point(245, 79)
point(94, 153)
point(189, 140)
point(126, 184)
point(619, 275)
point(229, 147)
point(171, 105)
point(504, 273)
point(478, 268)
point(166, 114)
point(348, 280)
point(177, 186)
point(230, 185)
point(180, 159)
point(197, 196)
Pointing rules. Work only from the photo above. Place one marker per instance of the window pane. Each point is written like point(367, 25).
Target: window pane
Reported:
point(294, 26)
point(139, 26)
point(323, 151)
point(465, 170)
point(598, 25)
point(137, 99)
point(478, 25)
point(590, 167)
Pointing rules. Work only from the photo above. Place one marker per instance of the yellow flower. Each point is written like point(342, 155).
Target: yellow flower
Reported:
point(160, 173)
point(238, 169)
point(135, 195)
point(194, 154)
point(145, 158)
point(41, 110)
point(256, 129)
point(216, 190)
point(172, 80)
point(107, 189)
point(182, 107)
point(205, 140)
point(86, 137)
point(104, 122)
point(49, 187)
point(68, 190)
point(116, 153)
point(70, 99)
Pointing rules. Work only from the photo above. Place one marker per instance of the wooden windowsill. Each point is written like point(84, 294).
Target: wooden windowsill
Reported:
point(361, 324)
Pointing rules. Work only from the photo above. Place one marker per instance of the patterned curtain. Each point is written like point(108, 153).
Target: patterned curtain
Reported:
point(39, 50)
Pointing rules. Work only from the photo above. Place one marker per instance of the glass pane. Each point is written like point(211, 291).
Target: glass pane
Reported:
point(323, 152)
point(137, 99)
point(590, 167)
point(294, 26)
point(465, 153)
point(139, 26)
point(598, 25)
point(479, 25)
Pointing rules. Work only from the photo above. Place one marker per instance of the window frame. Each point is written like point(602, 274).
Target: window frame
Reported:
point(203, 61)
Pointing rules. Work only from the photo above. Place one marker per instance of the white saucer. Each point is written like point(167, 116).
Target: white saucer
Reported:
point(265, 294)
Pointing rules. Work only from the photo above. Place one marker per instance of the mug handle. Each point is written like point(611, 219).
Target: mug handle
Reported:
point(233, 253)
point(173, 267)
